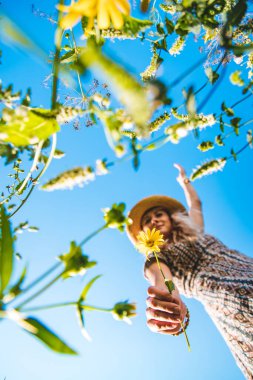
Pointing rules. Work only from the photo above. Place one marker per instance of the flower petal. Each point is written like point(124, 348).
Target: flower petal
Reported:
point(123, 6)
point(70, 20)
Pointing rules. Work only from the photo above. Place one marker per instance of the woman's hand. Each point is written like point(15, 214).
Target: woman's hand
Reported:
point(164, 312)
point(181, 175)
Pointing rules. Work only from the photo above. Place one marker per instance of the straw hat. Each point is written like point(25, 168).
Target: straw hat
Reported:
point(171, 204)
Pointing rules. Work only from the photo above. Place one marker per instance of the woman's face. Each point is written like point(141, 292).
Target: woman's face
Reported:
point(157, 218)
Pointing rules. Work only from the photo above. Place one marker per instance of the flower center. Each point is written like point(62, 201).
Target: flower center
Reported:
point(150, 243)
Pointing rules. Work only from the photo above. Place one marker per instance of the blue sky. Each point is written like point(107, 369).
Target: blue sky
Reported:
point(119, 351)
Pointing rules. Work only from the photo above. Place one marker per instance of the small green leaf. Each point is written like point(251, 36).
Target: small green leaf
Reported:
point(80, 317)
point(219, 140)
point(221, 124)
point(227, 110)
point(16, 288)
point(247, 88)
point(170, 285)
point(211, 74)
point(169, 25)
point(240, 49)
point(235, 123)
point(6, 251)
point(190, 102)
point(50, 339)
point(233, 154)
point(250, 138)
point(235, 16)
point(160, 29)
point(69, 57)
point(87, 288)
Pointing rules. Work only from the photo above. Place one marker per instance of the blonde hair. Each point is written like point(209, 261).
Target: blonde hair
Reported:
point(183, 228)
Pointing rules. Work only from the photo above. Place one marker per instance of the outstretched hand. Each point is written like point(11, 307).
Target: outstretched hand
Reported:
point(164, 312)
point(181, 175)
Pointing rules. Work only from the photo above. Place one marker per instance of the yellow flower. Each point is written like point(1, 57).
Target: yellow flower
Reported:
point(149, 241)
point(105, 11)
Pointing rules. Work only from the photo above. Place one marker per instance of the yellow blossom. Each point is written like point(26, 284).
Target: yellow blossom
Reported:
point(105, 11)
point(149, 241)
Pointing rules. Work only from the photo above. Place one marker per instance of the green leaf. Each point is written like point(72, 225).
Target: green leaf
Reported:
point(221, 124)
point(233, 154)
point(235, 16)
point(238, 50)
point(212, 75)
point(6, 251)
point(135, 151)
point(33, 126)
point(160, 29)
point(219, 140)
point(190, 102)
point(16, 288)
point(125, 87)
point(80, 317)
point(50, 339)
point(170, 285)
point(69, 57)
point(169, 25)
point(227, 110)
point(87, 288)
point(249, 138)
point(247, 88)
point(235, 123)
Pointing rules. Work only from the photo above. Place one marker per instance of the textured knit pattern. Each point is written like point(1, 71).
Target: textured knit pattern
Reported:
point(222, 280)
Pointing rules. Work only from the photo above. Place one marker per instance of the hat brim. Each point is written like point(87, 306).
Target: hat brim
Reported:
point(137, 212)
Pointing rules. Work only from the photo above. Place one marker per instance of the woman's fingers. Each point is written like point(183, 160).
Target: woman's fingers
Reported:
point(166, 306)
point(163, 327)
point(154, 314)
point(182, 173)
point(179, 168)
point(162, 295)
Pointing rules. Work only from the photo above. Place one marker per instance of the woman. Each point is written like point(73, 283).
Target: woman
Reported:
point(200, 267)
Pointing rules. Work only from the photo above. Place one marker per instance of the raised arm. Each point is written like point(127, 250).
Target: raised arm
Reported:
point(192, 198)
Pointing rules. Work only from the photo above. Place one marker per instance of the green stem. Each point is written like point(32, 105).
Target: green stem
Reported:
point(37, 280)
point(54, 138)
point(78, 76)
point(35, 295)
point(94, 308)
point(45, 307)
point(239, 126)
point(89, 237)
point(23, 202)
point(35, 161)
point(170, 291)
point(58, 39)
point(63, 304)
point(187, 72)
point(239, 151)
